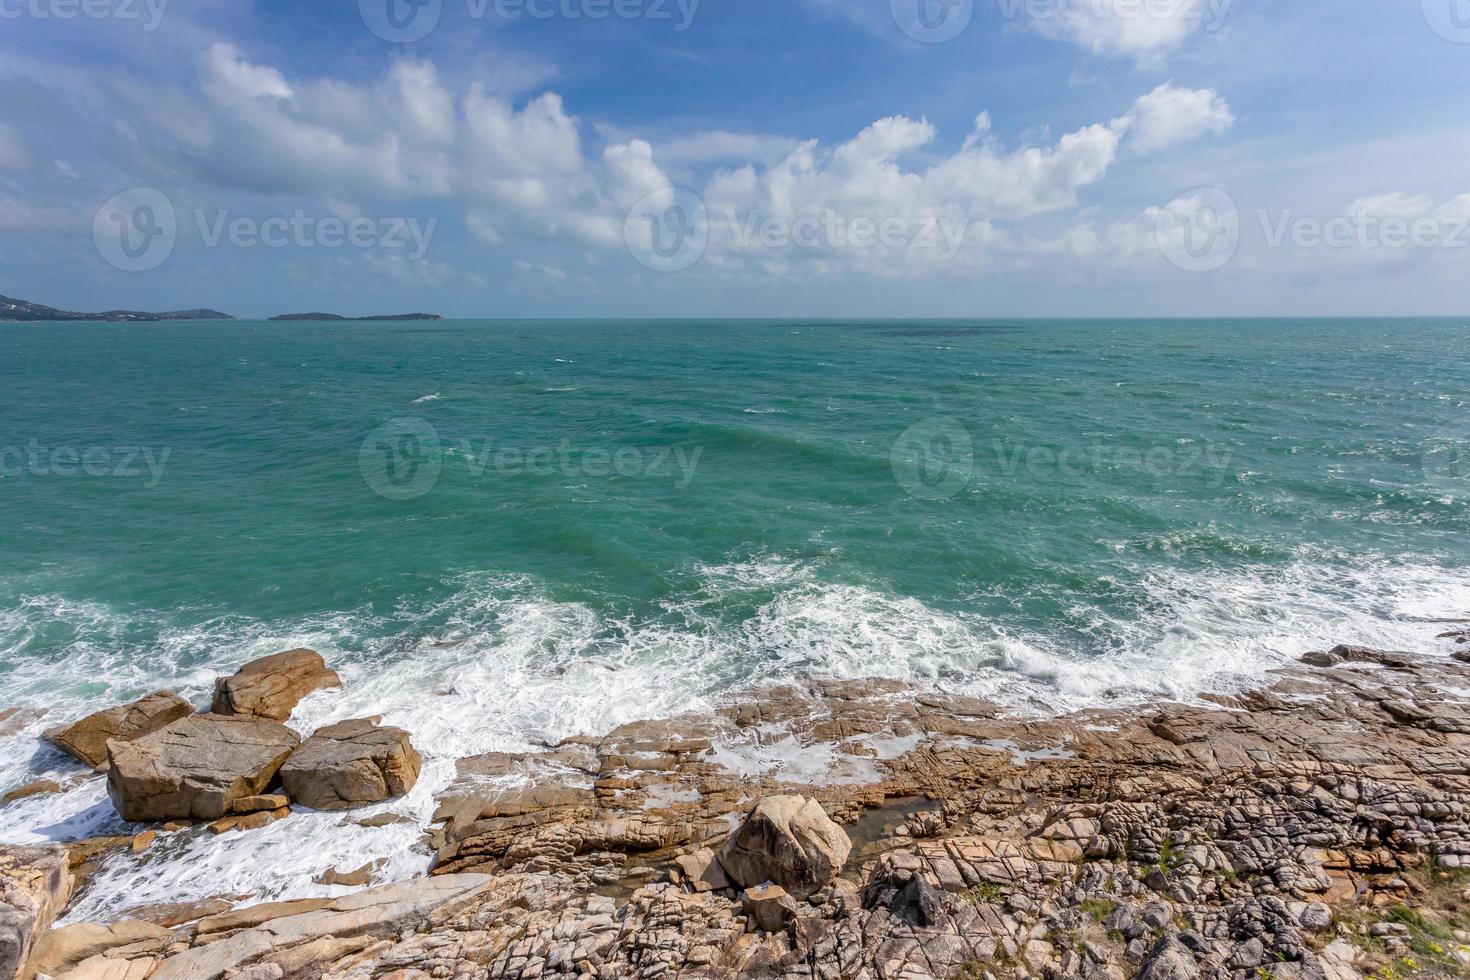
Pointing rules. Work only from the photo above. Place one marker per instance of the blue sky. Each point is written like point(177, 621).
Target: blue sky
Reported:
point(529, 158)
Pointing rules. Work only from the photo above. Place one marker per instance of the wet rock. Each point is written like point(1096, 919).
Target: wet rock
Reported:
point(255, 804)
point(351, 764)
point(35, 882)
point(273, 686)
point(788, 840)
point(87, 739)
point(15, 720)
point(42, 787)
point(249, 821)
point(196, 768)
point(353, 879)
point(770, 907)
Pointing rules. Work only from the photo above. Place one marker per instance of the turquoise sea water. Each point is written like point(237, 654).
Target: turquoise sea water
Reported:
point(508, 532)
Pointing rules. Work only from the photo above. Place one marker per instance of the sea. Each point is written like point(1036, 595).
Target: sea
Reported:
point(506, 533)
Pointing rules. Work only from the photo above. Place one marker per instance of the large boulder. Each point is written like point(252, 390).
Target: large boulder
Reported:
point(196, 768)
point(273, 686)
point(787, 840)
point(34, 885)
point(87, 739)
point(351, 764)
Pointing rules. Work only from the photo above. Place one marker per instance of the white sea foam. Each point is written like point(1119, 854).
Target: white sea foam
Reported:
point(426, 399)
point(498, 666)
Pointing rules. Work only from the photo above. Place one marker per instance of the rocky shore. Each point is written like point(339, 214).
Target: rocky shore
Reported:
point(1318, 827)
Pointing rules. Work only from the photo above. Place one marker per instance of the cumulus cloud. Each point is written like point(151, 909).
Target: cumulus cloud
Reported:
point(525, 169)
point(1141, 29)
point(1168, 116)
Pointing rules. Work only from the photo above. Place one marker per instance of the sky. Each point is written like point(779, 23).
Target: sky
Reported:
point(737, 158)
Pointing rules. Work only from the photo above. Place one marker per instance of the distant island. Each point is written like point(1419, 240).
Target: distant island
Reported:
point(356, 319)
point(19, 310)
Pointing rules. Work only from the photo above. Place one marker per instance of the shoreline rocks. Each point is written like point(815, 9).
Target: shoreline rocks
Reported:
point(35, 883)
point(273, 686)
point(789, 841)
point(197, 768)
point(351, 764)
point(1318, 827)
point(86, 740)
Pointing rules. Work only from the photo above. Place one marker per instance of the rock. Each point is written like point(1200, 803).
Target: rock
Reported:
point(350, 764)
point(60, 950)
point(143, 841)
point(41, 787)
point(352, 879)
point(788, 840)
point(1315, 917)
point(255, 804)
point(770, 907)
point(1463, 656)
point(35, 882)
point(384, 820)
point(196, 768)
point(1169, 960)
point(87, 739)
point(249, 821)
point(273, 686)
point(387, 911)
point(702, 871)
point(13, 721)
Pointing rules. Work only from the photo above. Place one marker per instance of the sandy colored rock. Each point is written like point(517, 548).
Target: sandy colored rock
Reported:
point(196, 768)
point(702, 871)
point(61, 950)
point(35, 883)
point(87, 739)
point(255, 804)
point(389, 910)
point(788, 840)
point(770, 907)
point(272, 686)
point(15, 720)
point(41, 787)
point(353, 763)
point(249, 821)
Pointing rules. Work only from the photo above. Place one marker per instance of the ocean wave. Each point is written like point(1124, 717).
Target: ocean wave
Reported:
point(496, 664)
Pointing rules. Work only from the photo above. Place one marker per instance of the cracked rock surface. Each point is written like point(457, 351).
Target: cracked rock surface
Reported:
point(1316, 828)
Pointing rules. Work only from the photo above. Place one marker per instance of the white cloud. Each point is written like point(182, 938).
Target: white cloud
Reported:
point(1141, 29)
point(1168, 116)
point(1395, 205)
point(525, 171)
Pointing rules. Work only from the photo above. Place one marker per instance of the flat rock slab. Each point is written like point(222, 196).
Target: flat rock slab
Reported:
point(350, 764)
point(196, 768)
point(380, 912)
point(87, 739)
point(273, 686)
point(35, 883)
